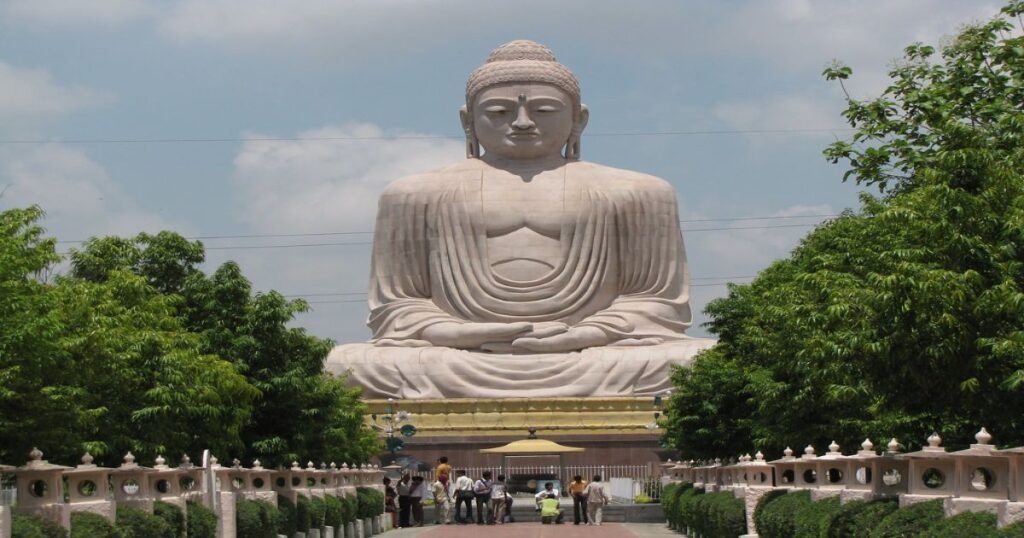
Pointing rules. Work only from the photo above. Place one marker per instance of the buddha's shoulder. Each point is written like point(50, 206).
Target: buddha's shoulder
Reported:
point(431, 181)
point(619, 179)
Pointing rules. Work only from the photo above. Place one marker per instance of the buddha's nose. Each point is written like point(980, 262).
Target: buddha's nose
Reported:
point(523, 121)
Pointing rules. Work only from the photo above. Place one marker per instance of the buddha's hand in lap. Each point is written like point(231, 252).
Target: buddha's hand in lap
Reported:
point(474, 335)
point(574, 339)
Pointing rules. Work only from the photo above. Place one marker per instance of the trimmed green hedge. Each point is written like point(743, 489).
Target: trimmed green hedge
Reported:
point(317, 512)
point(369, 503)
point(202, 522)
point(174, 517)
point(349, 508)
point(812, 520)
point(719, 515)
point(333, 512)
point(670, 496)
point(909, 521)
point(776, 517)
point(1012, 531)
point(135, 523)
point(256, 519)
point(972, 524)
point(89, 525)
point(23, 526)
point(286, 521)
point(303, 514)
point(858, 519)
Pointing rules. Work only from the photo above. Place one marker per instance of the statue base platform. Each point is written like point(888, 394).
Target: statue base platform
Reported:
point(425, 373)
point(613, 430)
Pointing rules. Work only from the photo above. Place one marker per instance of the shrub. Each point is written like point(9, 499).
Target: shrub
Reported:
point(89, 525)
point(369, 503)
point(333, 512)
point(135, 523)
point(1012, 531)
point(766, 499)
point(303, 515)
point(286, 521)
point(719, 515)
point(858, 519)
point(23, 526)
point(350, 509)
point(777, 515)
point(174, 517)
point(317, 511)
point(973, 524)
point(202, 522)
point(688, 508)
point(670, 502)
point(256, 519)
point(812, 520)
point(909, 521)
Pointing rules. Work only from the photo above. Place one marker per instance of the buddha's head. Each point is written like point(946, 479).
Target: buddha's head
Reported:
point(523, 105)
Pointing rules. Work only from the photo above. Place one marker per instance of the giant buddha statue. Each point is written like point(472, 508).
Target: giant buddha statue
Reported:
point(523, 271)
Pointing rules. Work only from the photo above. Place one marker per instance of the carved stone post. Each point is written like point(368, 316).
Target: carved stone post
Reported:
point(89, 489)
point(41, 489)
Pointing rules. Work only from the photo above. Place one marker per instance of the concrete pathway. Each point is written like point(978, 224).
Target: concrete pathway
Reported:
point(536, 530)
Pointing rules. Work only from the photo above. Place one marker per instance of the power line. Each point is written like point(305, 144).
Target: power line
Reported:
point(325, 234)
point(216, 140)
point(341, 301)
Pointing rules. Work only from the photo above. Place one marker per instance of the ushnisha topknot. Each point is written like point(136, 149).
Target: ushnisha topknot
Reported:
point(522, 61)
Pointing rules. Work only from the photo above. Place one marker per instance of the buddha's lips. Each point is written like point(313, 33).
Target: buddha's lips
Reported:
point(523, 136)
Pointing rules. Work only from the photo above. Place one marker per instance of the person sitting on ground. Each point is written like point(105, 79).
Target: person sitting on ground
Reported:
point(549, 488)
point(550, 511)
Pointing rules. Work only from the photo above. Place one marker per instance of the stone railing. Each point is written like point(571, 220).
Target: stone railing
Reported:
point(979, 478)
point(91, 488)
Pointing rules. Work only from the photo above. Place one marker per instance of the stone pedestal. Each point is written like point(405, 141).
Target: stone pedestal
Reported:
point(5, 522)
point(614, 430)
point(226, 527)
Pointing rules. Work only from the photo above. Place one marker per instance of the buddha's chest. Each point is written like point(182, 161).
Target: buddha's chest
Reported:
point(510, 204)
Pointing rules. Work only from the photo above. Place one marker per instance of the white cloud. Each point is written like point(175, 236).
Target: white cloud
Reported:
point(78, 195)
point(744, 252)
point(316, 185)
point(66, 12)
point(30, 92)
point(313, 186)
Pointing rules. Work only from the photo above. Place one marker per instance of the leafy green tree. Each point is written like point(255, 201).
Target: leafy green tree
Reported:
point(302, 412)
point(907, 316)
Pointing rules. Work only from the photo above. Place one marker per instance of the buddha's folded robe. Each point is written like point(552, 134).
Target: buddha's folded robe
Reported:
point(622, 269)
point(439, 372)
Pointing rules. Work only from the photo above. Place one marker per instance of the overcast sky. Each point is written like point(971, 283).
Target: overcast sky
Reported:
point(181, 91)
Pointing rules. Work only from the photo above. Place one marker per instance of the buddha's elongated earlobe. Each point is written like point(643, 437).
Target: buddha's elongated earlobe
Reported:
point(472, 144)
point(572, 146)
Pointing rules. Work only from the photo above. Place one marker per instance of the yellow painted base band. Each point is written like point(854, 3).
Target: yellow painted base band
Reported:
point(514, 416)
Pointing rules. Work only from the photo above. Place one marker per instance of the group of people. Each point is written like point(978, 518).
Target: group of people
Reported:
point(588, 502)
point(454, 499)
point(491, 497)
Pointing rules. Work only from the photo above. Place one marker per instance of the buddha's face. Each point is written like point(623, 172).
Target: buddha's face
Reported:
point(523, 121)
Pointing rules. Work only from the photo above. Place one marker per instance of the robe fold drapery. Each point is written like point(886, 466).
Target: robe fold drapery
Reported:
point(622, 269)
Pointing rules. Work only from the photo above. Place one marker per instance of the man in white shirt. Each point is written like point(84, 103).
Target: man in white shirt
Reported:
point(463, 494)
point(442, 501)
point(482, 494)
point(549, 488)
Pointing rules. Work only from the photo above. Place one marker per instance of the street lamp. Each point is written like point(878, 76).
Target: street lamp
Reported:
point(659, 406)
point(390, 423)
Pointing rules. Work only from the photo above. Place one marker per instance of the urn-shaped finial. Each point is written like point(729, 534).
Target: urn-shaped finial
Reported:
point(129, 458)
point(934, 440)
point(788, 452)
point(35, 454)
point(893, 446)
point(983, 437)
point(759, 456)
point(867, 445)
point(833, 448)
point(87, 458)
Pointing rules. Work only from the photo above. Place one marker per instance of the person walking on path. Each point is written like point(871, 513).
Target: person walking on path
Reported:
point(463, 494)
point(442, 501)
point(419, 490)
point(579, 500)
point(499, 494)
point(404, 489)
point(597, 498)
point(391, 501)
point(482, 494)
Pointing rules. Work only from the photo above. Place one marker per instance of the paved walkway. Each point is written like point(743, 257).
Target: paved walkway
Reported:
point(536, 530)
